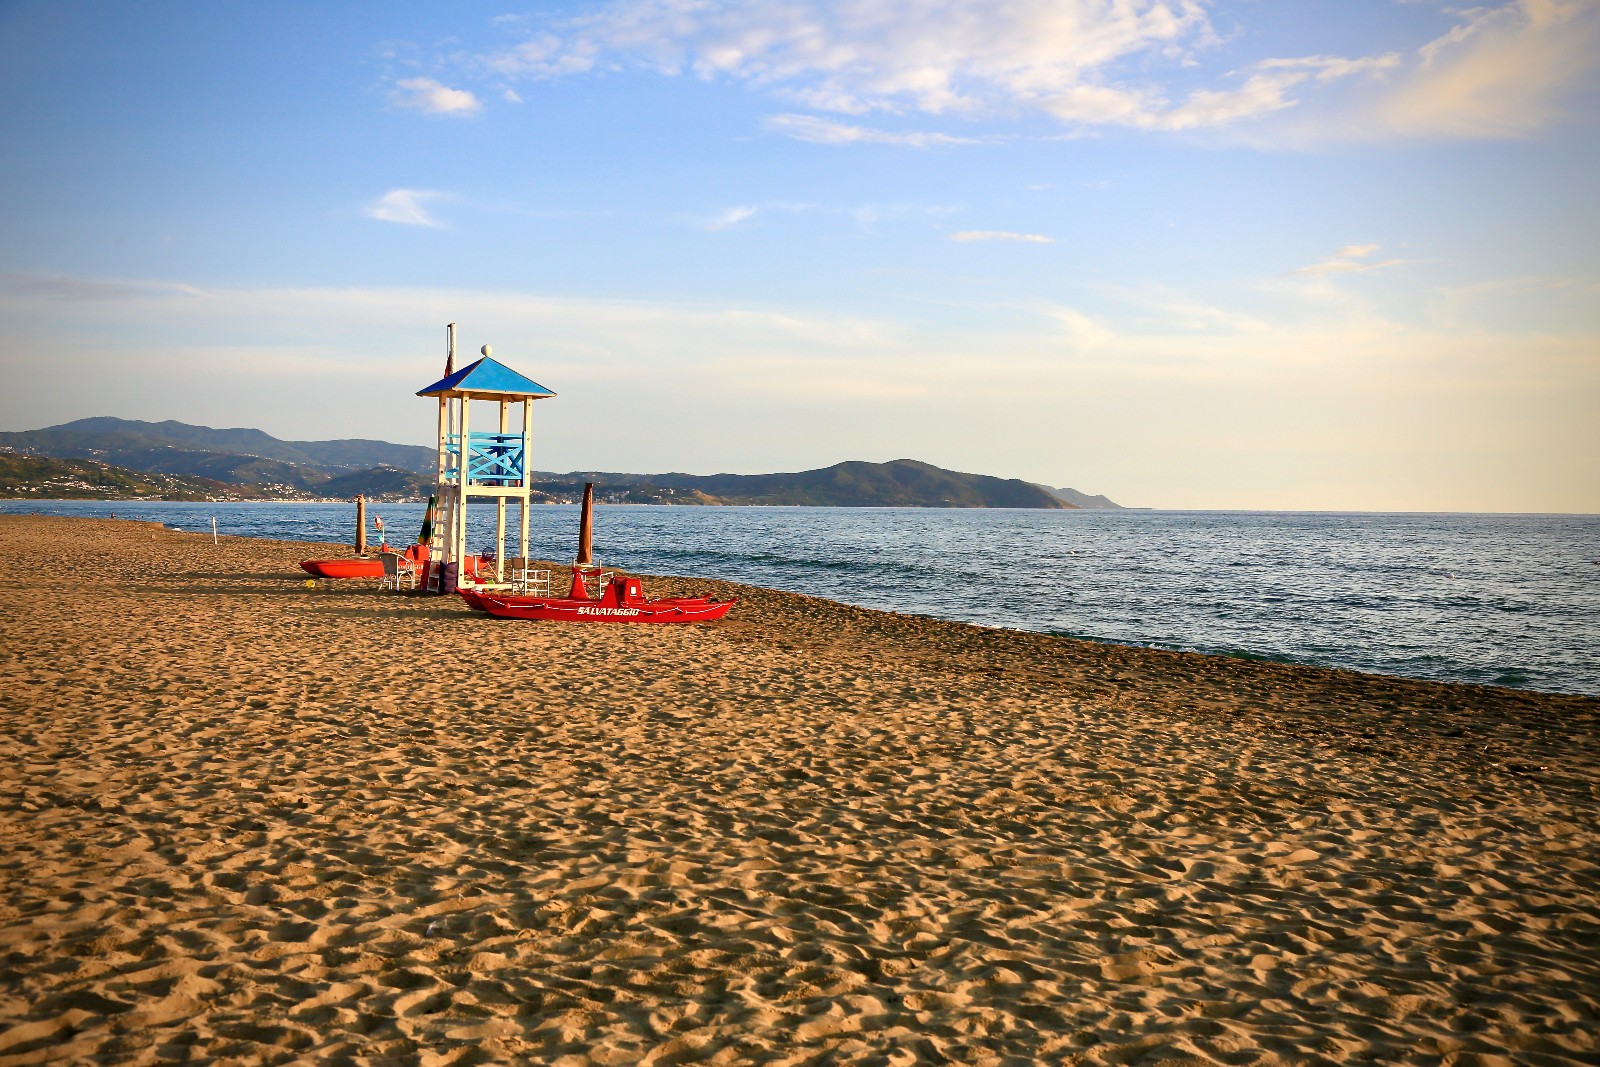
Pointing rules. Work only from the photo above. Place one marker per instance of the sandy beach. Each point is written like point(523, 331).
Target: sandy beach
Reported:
point(247, 821)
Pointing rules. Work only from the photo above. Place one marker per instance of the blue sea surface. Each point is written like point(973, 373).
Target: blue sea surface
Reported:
point(1509, 600)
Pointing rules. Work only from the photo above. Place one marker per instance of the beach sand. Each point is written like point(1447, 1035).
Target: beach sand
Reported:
point(248, 821)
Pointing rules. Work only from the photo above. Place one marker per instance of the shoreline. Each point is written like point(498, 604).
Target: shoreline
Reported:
point(863, 507)
point(1450, 657)
point(1240, 655)
point(253, 820)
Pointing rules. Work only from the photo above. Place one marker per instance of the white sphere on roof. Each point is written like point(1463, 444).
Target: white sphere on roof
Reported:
point(486, 350)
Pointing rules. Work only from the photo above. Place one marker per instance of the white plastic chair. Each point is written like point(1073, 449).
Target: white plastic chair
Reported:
point(397, 575)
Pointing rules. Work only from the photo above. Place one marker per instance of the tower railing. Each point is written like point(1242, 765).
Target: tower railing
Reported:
point(492, 458)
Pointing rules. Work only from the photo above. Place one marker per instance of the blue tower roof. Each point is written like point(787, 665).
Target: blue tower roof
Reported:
point(487, 377)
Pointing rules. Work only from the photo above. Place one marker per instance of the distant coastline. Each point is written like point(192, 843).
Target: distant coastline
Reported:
point(106, 458)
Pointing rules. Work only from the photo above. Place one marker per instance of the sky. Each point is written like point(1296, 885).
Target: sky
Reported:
point(1275, 254)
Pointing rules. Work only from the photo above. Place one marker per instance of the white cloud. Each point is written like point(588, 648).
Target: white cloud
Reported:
point(511, 96)
point(1351, 259)
point(1160, 308)
point(1331, 68)
point(741, 213)
point(404, 206)
point(958, 57)
point(545, 55)
point(1084, 332)
point(68, 287)
point(1501, 72)
point(1266, 89)
point(1260, 94)
point(433, 98)
point(823, 131)
point(855, 56)
point(732, 217)
point(1001, 235)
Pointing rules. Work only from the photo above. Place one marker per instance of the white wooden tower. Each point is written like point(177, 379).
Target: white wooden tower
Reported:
point(482, 464)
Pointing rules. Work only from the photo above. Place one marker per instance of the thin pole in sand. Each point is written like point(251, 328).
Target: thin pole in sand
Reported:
point(361, 524)
point(463, 481)
point(586, 528)
point(213, 529)
point(527, 441)
point(500, 507)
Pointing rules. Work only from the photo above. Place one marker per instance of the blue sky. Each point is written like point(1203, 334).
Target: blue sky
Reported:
point(1190, 254)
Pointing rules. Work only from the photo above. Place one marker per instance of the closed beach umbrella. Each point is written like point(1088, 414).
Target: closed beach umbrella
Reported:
point(427, 522)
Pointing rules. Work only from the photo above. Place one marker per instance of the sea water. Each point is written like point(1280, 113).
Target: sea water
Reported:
point(1508, 600)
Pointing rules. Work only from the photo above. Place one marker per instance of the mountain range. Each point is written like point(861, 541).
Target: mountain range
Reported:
point(105, 456)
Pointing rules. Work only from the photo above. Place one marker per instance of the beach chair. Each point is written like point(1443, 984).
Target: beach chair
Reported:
point(526, 579)
point(398, 573)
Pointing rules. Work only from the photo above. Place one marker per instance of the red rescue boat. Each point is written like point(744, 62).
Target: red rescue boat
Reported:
point(623, 600)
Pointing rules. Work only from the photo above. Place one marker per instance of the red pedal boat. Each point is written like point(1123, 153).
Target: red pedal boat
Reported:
point(359, 567)
point(622, 600)
point(343, 568)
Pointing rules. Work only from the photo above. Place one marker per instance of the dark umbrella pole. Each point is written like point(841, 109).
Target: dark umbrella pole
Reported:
point(585, 560)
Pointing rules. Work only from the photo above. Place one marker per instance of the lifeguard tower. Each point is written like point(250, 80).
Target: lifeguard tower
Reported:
point(478, 464)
